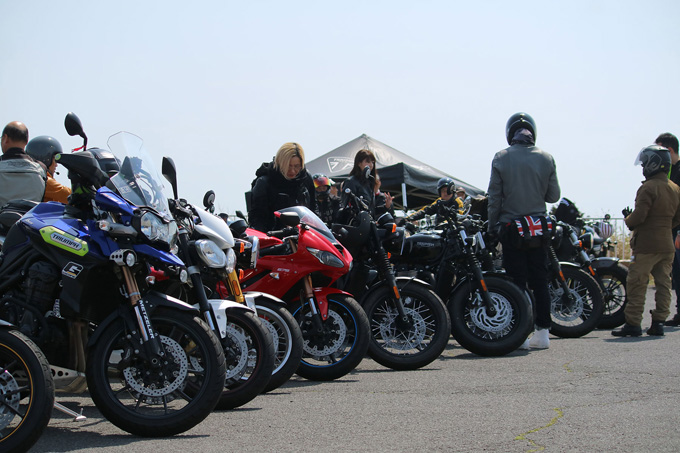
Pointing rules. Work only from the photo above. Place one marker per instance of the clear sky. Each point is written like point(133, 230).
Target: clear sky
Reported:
point(220, 85)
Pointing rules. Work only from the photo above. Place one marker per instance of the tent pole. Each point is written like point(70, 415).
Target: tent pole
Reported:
point(403, 195)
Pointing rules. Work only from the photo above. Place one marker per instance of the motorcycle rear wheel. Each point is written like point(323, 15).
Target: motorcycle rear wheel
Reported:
point(26, 392)
point(615, 299)
point(249, 354)
point(287, 341)
point(135, 397)
point(491, 335)
point(580, 317)
point(340, 347)
point(426, 337)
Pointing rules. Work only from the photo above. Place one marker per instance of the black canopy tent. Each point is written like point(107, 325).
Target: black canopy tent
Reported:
point(399, 172)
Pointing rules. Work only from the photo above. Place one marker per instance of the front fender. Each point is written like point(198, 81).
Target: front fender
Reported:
point(221, 308)
point(153, 300)
point(256, 295)
point(569, 264)
point(402, 282)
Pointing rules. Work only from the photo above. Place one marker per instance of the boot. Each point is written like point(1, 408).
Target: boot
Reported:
point(627, 331)
point(656, 329)
point(674, 321)
point(525, 346)
point(539, 339)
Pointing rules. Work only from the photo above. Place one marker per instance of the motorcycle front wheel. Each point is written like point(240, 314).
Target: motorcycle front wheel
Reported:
point(157, 401)
point(249, 354)
point(578, 315)
point(340, 346)
point(26, 392)
point(287, 338)
point(490, 334)
point(614, 282)
point(415, 345)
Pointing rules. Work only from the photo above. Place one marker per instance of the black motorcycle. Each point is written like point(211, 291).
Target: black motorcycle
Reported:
point(490, 315)
point(409, 323)
point(26, 390)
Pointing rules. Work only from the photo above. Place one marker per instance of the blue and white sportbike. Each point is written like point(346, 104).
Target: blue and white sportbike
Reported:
point(76, 279)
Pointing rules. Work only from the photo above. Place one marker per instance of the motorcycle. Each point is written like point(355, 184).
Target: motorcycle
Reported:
point(589, 250)
point(75, 280)
point(283, 327)
point(247, 343)
point(26, 390)
point(409, 323)
point(490, 315)
point(298, 264)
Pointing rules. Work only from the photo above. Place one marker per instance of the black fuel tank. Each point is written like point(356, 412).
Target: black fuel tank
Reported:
point(422, 248)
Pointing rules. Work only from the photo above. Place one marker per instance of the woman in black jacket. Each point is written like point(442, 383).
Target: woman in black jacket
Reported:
point(282, 183)
point(362, 182)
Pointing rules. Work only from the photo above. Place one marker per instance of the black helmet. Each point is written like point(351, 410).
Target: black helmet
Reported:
point(654, 159)
point(106, 160)
point(518, 121)
point(43, 148)
point(445, 182)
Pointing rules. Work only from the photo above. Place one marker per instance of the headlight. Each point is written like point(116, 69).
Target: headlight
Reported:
point(326, 258)
point(231, 261)
point(211, 254)
point(156, 230)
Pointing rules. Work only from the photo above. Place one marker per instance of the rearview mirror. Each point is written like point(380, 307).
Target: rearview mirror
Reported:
point(170, 173)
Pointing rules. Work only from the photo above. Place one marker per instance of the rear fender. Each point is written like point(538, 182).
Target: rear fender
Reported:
point(604, 262)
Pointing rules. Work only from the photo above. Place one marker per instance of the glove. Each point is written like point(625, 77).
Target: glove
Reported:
point(626, 211)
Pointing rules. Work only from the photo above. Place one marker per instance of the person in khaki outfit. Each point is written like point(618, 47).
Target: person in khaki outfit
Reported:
point(657, 211)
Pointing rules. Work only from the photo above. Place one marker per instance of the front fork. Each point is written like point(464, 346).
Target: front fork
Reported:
point(567, 297)
point(385, 270)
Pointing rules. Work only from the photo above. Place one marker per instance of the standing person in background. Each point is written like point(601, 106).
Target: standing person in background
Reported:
point(445, 187)
point(21, 176)
point(280, 184)
point(327, 204)
point(670, 141)
point(361, 181)
point(657, 211)
point(464, 198)
point(43, 149)
point(523, 179)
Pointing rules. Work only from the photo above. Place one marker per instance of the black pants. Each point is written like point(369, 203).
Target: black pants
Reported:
point(530, 266)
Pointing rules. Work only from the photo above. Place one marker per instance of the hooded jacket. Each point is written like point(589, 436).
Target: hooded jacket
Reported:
point(272, 191)
point(657, 210)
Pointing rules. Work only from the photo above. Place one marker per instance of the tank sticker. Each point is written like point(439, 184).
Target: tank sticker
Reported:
point(64, 241)
point(72, 270)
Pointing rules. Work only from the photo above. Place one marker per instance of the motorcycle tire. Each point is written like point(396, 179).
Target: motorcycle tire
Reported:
point(287, 340)
point(580, 316)
point(426, 337)
point(614, 282)
point(26, 392)
point(340, 347)
point(491, 335)
point(155, 404)
point(249, 354)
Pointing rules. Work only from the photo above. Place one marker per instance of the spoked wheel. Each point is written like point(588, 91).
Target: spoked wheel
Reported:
point(26, 392)
point(578, 315)
point(418, 342)
point(249, 354)
point(614, 291)
point(287, 339)
point(493, 333)
point(341, 344)
point(155, 400)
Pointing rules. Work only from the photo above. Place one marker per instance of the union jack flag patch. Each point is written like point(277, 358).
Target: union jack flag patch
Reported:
point(531, 225)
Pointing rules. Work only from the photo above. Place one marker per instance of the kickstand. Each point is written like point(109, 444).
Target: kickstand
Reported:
point(76, 416)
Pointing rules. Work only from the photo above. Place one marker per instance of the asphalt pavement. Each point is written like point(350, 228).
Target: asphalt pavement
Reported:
point(595, 393)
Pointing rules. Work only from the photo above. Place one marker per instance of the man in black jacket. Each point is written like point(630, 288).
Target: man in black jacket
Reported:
point(670, 141)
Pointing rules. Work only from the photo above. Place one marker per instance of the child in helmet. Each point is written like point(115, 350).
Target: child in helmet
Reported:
point(657, 211)
point(327, 204)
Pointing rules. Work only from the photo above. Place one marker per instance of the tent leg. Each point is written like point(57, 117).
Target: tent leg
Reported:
point(403, 195)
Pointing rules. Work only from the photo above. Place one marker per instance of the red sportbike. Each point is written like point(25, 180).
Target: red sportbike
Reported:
point(298, 264)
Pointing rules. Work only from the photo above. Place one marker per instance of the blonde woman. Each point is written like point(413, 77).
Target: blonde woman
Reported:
point(282, 183)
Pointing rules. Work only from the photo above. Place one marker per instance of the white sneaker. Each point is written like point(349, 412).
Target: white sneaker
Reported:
point(540, 339)
point(524, 346)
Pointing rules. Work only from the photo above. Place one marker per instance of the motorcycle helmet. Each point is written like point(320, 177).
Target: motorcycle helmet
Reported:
point(43, 149)
point(106, 160)
point(604, 229)
point(322, 180)
point(445, 182)
point(654, 159)
point(567, 211)
point(518, 121)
